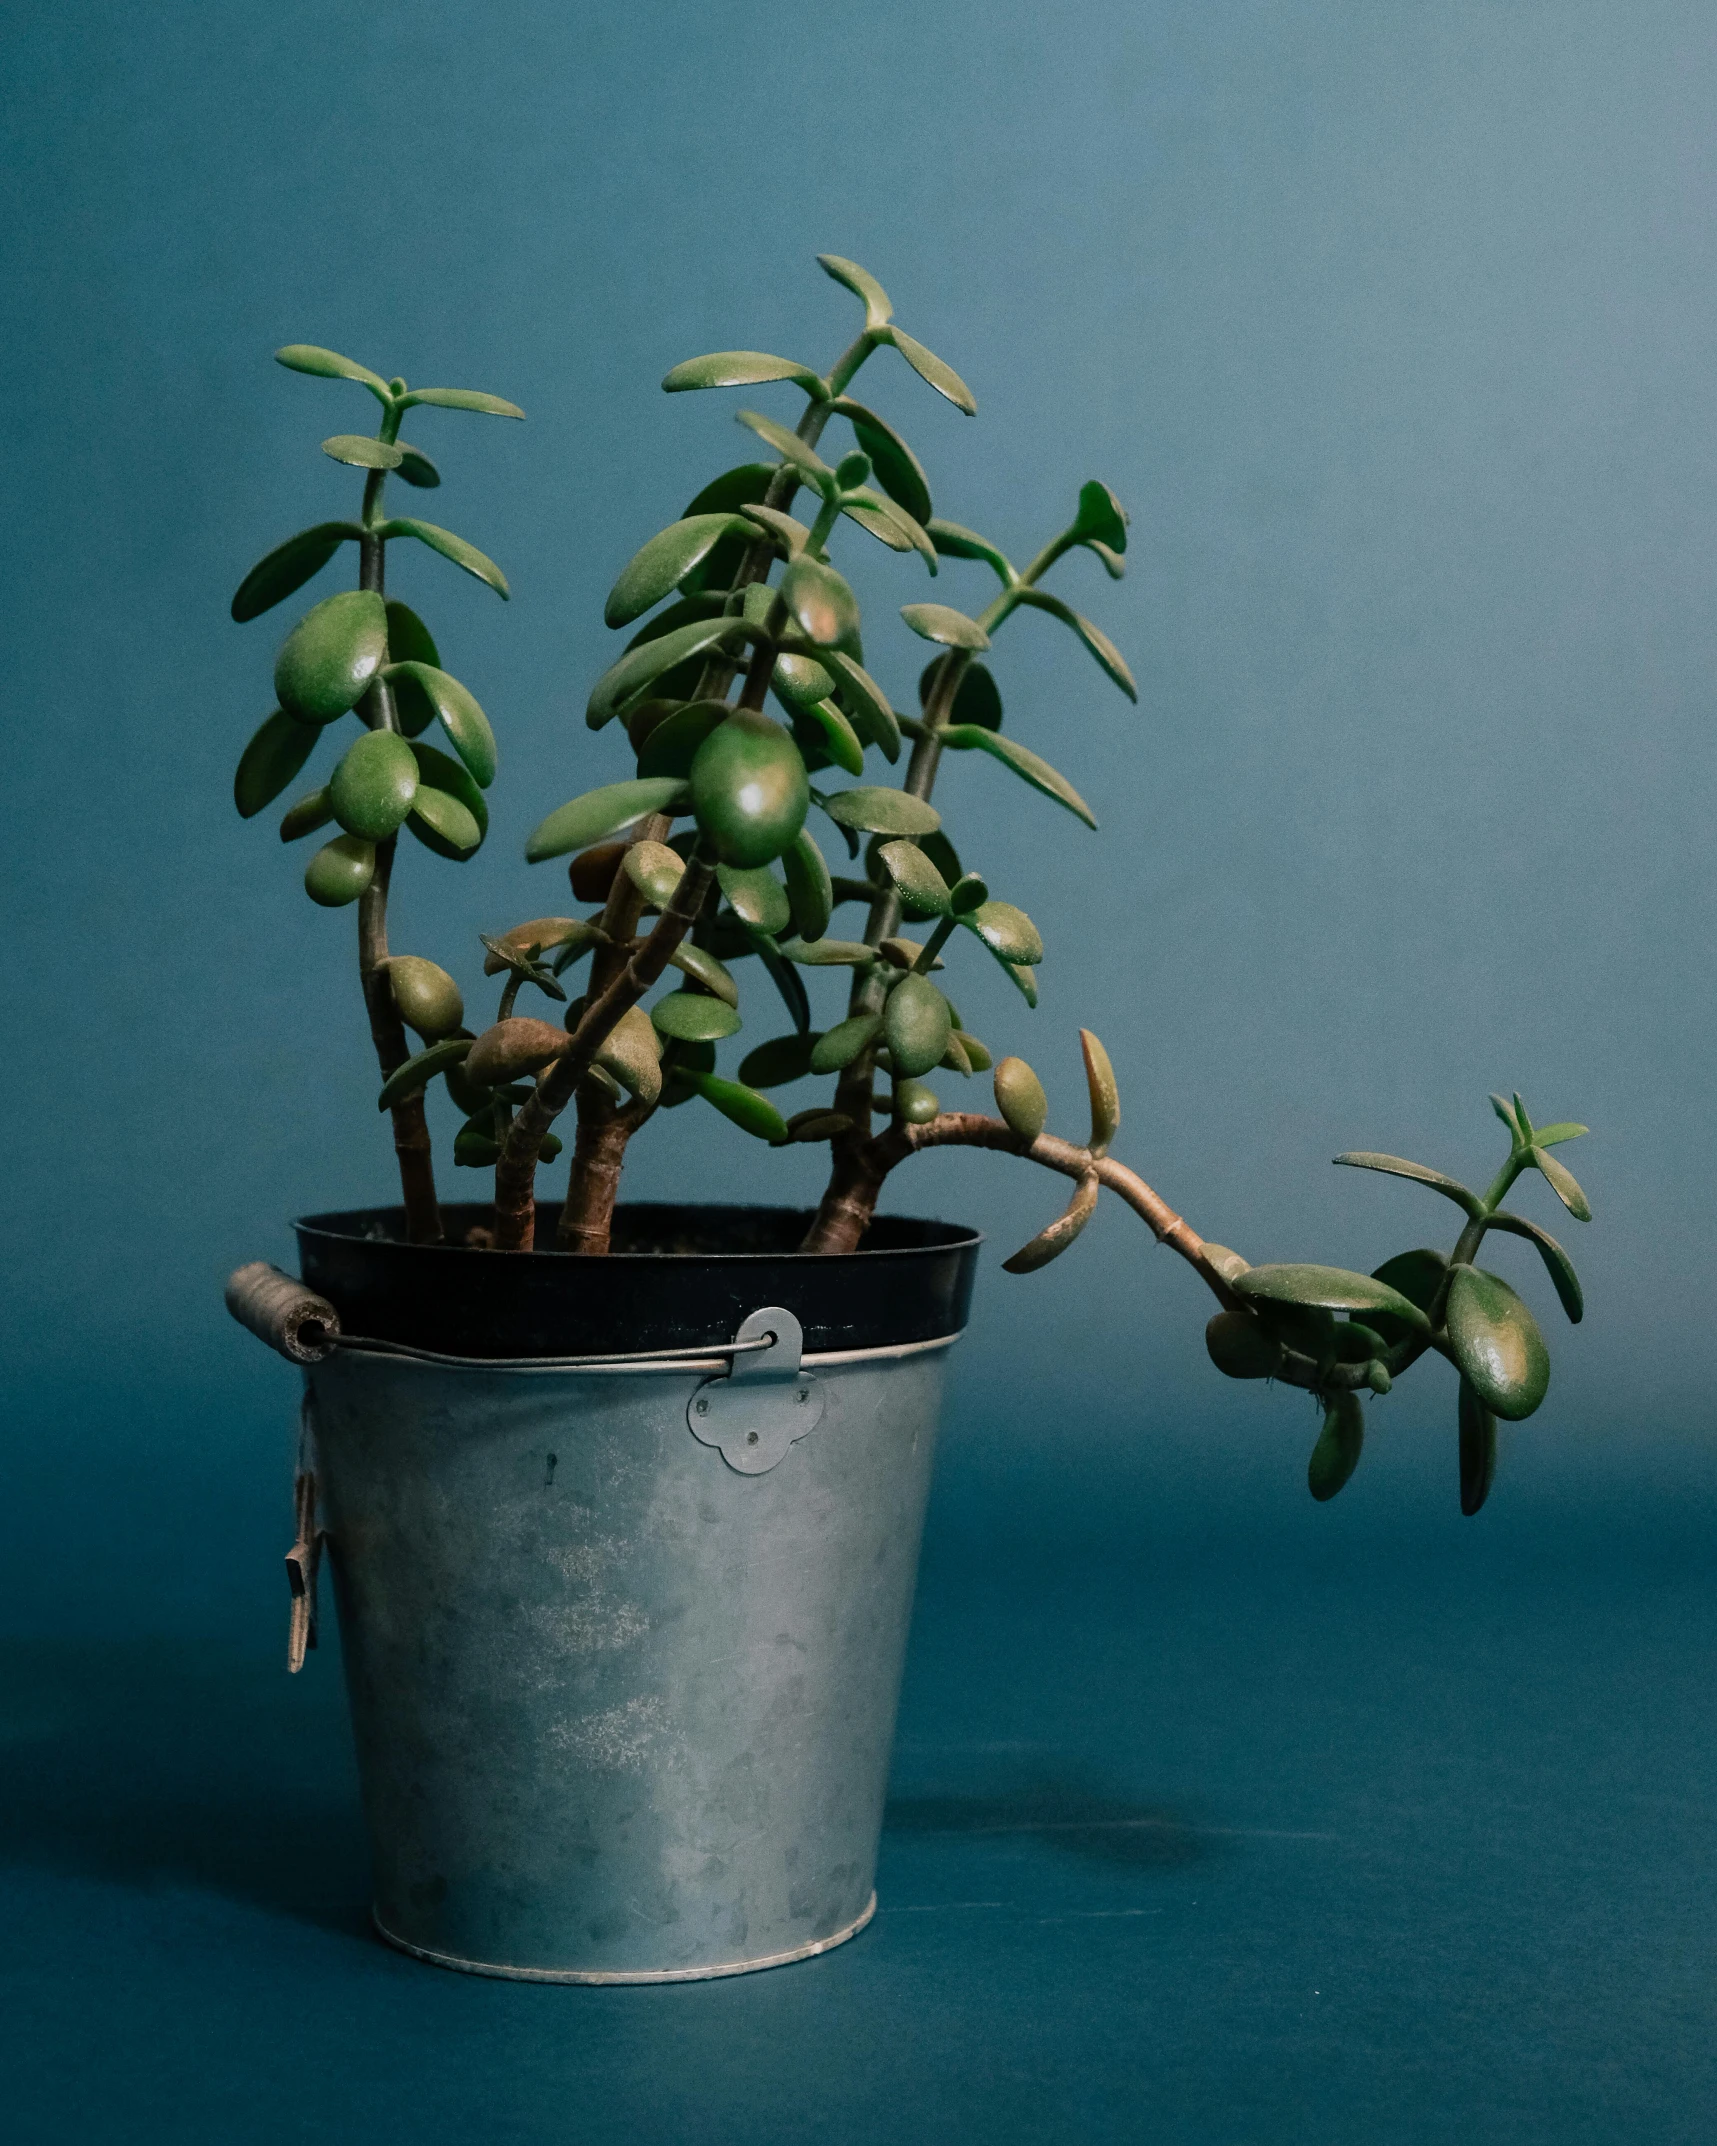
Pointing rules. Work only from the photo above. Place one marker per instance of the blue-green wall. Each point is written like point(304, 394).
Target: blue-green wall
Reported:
point(1395, 329)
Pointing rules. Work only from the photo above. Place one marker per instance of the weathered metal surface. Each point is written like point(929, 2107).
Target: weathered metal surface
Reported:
point(622, 1710)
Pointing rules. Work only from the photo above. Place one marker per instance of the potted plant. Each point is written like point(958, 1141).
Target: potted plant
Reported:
point(623, 1503)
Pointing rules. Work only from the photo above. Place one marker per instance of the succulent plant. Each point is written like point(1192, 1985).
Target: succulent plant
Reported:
point(743, 691)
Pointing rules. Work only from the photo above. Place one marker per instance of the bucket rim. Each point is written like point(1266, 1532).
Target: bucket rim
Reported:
point(948, 1236)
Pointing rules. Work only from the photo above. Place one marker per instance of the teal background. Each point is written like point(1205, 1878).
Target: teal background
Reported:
point(1394, 328)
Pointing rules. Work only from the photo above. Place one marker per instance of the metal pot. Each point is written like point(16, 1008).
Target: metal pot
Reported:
point(623, 1639)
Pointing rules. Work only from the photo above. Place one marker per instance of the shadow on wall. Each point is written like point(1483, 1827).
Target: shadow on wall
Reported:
point(155, 1764)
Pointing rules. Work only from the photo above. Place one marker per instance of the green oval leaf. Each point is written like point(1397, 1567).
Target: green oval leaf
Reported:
point(877, 310)
point(463, 720)
point(929, 367)
point(865, 702)
point(461, 398)
point(881, 812)
point(654, 869)
point(1020, 1098)
point(1336, 1454)
point(1101, 517)
point(436, 826)
point(801, 682)
point(1561, 1182)
point(1239, 1347)
point(940, 622)
point(1101, 1088)
point(358, 451)
point(288, 566)
point(1394, 1166)
point(977, 699)
point(746, 486)
point(1419, 1276)
point(672, 744)
point(1099, 643)
point(780, 1060)
point(845, 748)
point(314, 809)
point(424, 995)
point(915, 1104)
point(820, 603)
point(741, 368)
point(1559, 1266)
point(757, 896)
point(829, 953)
point(664, 561)
point(916, 1023)
point(329, 365)
point(1328, 1289)
point(810, 891)
point(600, 813)
point(749, 790)
point(269, 762)
point(340, 871)
point(690, 1017)
point(953, 541)
point(444, 824)
point(1477, 1450)
point(373, 786)
point(327, 661)
point(1052, 1242)
point(888, 523)
point(751, 1112)
point(898, 469)
point(922, 887)
point(416, 1074)
point(1008, 933)
point(702, 966)
point(788, 446)
point(969, 737)
point(652, 658)
point(1496, 1343)
point(415, 467)
point(450, 547)
point(842, 1044)
point(784, 977)
point(409, 639)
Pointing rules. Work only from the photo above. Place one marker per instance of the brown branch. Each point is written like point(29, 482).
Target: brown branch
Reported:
point(387, 1032)
point(967, 1128)
point(515, 1174)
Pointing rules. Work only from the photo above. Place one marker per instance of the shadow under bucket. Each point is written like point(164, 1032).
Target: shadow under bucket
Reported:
point(623, 1642)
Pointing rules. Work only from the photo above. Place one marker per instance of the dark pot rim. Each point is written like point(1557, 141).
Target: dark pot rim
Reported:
point(466, 1300)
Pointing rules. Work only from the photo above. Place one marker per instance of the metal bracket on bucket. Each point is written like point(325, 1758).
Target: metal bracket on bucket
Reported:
point(766, 1403)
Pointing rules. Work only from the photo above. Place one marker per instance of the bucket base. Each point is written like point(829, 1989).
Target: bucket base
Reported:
point(662, 1974)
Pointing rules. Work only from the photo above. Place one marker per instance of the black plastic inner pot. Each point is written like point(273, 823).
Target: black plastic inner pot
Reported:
point(678, 1277)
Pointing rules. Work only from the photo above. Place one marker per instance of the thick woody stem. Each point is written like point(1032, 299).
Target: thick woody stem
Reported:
point(589, 1206)
point(515, 1174)
point(598, 1155)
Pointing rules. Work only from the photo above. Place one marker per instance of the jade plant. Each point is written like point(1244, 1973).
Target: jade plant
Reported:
point(700, 858)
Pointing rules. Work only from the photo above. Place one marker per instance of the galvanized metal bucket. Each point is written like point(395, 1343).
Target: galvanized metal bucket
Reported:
point(623, 1640)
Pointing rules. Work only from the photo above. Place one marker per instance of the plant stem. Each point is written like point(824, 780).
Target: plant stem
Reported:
point(592, 1188)
point(411, 1141)
point(387, 1032)
point(515, 1174)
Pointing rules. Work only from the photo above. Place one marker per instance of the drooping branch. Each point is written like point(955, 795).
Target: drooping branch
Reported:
point(966, 1128)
